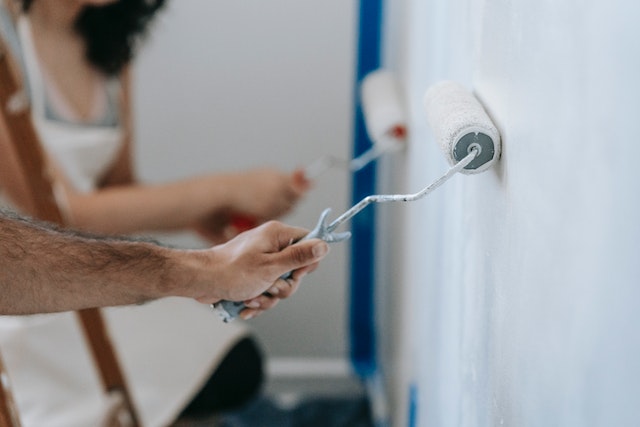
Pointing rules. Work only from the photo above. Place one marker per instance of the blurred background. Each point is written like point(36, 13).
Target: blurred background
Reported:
point(223, 86)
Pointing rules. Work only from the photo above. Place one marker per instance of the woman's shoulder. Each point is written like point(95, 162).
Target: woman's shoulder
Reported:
point(8, 17)
point(8, 31)
point(10, 9)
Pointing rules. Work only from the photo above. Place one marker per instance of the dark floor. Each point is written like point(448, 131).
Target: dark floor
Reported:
point(309, 412)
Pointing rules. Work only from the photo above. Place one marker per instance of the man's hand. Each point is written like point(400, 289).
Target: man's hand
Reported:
point(249, 267)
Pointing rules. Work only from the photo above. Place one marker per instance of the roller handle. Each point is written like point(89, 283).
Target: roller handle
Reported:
point(230, 310)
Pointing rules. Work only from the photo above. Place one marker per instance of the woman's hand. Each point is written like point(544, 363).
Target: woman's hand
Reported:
point(257, 196)
point(265, 194)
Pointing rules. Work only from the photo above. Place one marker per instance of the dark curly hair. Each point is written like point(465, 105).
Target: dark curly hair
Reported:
point(111, 32)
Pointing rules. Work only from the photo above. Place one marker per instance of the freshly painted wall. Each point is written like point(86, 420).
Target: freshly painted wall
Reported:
point(519, 299)
point(507, 298)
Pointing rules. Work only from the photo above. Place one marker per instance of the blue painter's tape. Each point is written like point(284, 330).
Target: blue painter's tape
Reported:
point(362, 309)
point(413, 406)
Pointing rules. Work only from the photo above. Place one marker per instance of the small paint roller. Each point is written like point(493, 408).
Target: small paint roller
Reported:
point(385, 121)
point(468, 138)
point(386, 125)
point(385, 118)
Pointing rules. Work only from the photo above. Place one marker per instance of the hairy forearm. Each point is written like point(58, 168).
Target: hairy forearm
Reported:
point(43, 269)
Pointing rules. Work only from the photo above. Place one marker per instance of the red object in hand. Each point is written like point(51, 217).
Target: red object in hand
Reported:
point(243, 223)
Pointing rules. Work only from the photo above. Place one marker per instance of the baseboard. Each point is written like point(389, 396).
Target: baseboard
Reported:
point(294, 367)
point(312, 376)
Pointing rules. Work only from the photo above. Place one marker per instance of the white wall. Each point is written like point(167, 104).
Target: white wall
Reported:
point(522, 283)
point(225, 85)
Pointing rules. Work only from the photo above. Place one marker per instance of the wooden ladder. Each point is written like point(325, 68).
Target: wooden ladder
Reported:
point(15, 112)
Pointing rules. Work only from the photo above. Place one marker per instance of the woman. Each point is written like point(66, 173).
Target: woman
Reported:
point(178, 359)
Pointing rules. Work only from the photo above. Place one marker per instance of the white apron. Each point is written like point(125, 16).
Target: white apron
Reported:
point(168, 348)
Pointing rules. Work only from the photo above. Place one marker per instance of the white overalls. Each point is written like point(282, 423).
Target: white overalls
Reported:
point(168, 348)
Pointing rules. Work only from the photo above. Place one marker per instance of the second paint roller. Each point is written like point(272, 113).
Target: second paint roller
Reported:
point(385, 121)
point(468, 138)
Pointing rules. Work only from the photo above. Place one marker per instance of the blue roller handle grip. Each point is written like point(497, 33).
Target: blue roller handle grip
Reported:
point(230, 310)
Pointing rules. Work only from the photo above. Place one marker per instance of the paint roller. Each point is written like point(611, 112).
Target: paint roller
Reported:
point(468, 138)
point(384, 115)
point(460, 123)
point(385, 121)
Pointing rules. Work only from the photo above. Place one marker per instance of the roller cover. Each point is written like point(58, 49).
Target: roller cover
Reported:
point(382, 109)
point(458, 120)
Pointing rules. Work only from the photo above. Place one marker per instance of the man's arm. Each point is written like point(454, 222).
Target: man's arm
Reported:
point(45, 269)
